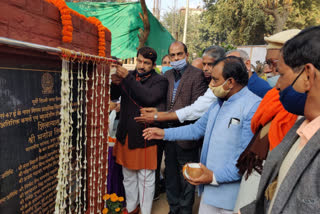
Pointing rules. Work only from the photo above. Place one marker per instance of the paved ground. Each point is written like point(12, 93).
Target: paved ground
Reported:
point(161, 206)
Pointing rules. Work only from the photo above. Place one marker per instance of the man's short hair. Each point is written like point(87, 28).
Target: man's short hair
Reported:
point(302, 49)
point(148, 53)
point(181, 43)
point(243, 54)
point(234, 67)
point(214, 51)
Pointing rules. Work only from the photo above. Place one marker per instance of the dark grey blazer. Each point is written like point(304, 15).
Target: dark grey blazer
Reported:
point(300, 190)
point(192, 85)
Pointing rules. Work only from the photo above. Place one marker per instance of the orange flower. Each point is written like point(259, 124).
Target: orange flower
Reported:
point(105, 211)
point(117, 210)
point(114, 198)
point(121, 199)
point(67, 39)
point(106, 197)
point(67, 29)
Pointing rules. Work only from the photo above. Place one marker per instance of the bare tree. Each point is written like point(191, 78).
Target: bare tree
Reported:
point(280, 10)
point(144, 33)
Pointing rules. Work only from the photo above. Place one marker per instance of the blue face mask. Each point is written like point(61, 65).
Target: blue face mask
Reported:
point(165, 69)
point(273, 80)
point(292, 100)
point(179, 65)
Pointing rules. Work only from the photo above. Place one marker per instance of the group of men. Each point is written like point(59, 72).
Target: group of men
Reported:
point(227, 110)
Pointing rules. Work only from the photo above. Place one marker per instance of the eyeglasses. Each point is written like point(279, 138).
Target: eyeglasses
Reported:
point(272, 63)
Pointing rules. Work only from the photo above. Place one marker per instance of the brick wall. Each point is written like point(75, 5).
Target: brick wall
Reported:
point(39, 22)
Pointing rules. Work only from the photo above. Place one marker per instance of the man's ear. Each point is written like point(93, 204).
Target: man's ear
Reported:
point(311, 76)
point(231, 83)
point(154, 65)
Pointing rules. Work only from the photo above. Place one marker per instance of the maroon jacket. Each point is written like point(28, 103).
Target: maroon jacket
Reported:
point(192, 85)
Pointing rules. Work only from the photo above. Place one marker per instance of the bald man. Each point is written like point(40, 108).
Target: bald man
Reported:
point(197, 63)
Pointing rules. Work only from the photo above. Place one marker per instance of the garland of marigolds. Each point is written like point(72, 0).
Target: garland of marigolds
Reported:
point(67, 28)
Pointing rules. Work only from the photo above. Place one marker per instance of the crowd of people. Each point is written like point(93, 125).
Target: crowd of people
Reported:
point(257, 141)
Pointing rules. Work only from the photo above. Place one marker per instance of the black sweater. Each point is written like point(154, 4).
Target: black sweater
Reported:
point(149, 92)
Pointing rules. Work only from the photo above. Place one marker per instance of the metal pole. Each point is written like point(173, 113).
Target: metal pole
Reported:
point(50, 50)
point(185, 23)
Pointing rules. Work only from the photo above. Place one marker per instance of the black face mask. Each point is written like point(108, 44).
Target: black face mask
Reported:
point(292, 100)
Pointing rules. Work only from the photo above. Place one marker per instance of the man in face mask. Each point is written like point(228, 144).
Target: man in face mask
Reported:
point(275, 43)
point(271, 122)
point(226, 130)
point(290, 178)
point(290, 84)
point(186, 84)
point(255, 84)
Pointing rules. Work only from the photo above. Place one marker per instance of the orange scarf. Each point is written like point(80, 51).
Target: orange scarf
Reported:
point(271, 109)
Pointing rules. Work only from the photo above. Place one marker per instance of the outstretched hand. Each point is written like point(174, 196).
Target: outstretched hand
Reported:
point(153, 134)
point(146, 116)
point(205, 178)
point(122, 72)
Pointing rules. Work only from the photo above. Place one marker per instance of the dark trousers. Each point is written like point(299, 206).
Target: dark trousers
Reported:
point(180, 193)
point(160, 150)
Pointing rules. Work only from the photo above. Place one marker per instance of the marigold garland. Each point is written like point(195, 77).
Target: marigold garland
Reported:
point(67, 27)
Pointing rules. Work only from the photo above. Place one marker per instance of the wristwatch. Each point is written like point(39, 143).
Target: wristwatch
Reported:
point(155, 117)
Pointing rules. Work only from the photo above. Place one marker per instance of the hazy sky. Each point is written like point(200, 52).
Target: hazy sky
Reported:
point(167, 5)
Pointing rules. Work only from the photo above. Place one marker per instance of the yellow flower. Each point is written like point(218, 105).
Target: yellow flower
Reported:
point(121, 199)
point(117, 210)
point(106, 197)
point(114, 198)
point(105, 211)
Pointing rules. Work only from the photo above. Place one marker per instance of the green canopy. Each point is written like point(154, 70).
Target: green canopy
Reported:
point(123, 21)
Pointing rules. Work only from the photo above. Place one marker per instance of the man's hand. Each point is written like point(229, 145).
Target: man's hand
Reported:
point(148, 110)
point(116, 79)
point(205, 178)
point(112, 105)
point(122, 72)
point(147, 115)
point(153, 133)
point(117, 107)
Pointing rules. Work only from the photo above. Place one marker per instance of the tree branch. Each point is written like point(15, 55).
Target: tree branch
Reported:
point(146, 24)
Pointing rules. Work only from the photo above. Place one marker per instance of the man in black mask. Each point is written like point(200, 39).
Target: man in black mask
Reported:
point(290, 178)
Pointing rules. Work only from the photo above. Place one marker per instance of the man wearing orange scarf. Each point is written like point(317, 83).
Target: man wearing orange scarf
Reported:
point(270, 124)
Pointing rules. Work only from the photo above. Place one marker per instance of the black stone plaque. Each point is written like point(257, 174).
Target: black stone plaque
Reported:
point(29, 130)
point(29, 142)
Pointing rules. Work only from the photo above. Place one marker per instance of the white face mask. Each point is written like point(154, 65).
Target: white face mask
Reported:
point(179, 65)
point(113, 70)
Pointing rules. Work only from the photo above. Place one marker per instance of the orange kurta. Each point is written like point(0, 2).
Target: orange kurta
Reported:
point(135, 159)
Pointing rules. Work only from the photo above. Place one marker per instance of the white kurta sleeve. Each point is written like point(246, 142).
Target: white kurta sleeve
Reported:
point(198, 108)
